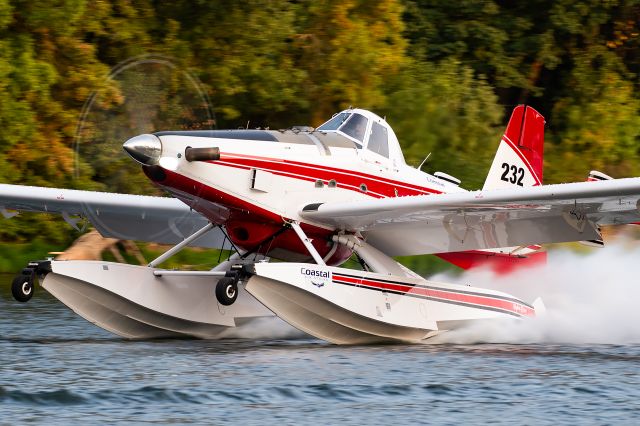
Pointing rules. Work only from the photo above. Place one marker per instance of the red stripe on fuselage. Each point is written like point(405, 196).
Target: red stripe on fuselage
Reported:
point(350, 179)
point(443, 295)
point(300, 177)
point(333, 169)
point(206, 192)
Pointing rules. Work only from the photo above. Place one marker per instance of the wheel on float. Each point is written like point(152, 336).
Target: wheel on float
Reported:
point(22, 287)
point(227, 291)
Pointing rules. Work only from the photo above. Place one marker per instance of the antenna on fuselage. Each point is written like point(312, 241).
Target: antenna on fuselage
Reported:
point(424, 161)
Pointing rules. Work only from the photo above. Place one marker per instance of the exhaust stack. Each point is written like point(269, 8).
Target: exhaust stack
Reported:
point(202, 154)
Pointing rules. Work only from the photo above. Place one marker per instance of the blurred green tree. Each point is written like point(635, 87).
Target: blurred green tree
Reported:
point(349, 49)
point(242, 52)
point(445, 110)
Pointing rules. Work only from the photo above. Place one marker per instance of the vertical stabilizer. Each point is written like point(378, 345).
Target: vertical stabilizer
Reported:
point(518, 163)
point(519, 159)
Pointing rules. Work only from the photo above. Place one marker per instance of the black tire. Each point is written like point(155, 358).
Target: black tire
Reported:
point(22, 287)
point(226, 291)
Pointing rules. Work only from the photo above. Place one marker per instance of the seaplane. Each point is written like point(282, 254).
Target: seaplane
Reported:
point(294, 205)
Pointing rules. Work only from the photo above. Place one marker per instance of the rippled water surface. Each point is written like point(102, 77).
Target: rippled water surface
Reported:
point(59, 369)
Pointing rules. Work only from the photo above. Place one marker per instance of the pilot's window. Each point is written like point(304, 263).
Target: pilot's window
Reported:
point(335, 122)
point(355, 127)
point(378, 142)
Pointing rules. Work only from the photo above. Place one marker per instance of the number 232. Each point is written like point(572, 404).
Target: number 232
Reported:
point(512, 174)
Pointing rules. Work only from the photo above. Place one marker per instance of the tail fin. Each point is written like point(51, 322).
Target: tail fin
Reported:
point(518, 161)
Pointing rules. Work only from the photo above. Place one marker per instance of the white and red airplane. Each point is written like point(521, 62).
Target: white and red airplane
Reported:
point(312, 198)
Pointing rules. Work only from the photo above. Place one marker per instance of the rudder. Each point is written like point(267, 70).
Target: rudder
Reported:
point(519, 159)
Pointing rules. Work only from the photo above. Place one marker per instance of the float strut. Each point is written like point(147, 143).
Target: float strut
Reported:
point(307, 243)
point(175, 249)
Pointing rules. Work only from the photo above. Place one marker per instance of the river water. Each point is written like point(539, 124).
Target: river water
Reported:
point(579, 364)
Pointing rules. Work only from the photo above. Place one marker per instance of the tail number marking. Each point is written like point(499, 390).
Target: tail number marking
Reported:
point(517, 174)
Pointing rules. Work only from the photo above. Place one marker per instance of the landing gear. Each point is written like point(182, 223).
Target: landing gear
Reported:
point(227, 287)
point(227, 291)
point(23, 285)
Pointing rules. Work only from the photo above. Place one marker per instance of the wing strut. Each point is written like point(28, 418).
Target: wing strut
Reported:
point(307, 243)
point(175, 249)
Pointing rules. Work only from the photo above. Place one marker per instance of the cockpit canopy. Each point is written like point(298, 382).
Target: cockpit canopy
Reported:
point(367, 131)
point(353, 125)
point(351, 128)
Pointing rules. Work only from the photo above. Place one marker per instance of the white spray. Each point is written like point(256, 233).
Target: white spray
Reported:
point(265, 328)
point(590, 298)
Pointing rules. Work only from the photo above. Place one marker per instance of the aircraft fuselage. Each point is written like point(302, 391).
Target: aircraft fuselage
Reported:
point(262, 179)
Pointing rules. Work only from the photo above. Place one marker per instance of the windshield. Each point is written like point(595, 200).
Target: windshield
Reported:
point(355, 127)
point(335, 122)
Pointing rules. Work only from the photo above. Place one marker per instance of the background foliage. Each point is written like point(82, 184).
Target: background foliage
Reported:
point(78, 77)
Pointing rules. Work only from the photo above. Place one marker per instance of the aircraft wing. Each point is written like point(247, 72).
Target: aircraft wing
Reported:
point(122, 216)
point(484, 219)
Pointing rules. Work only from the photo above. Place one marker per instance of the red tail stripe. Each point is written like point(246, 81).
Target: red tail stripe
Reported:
point(523, 158)
point(525, 131)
